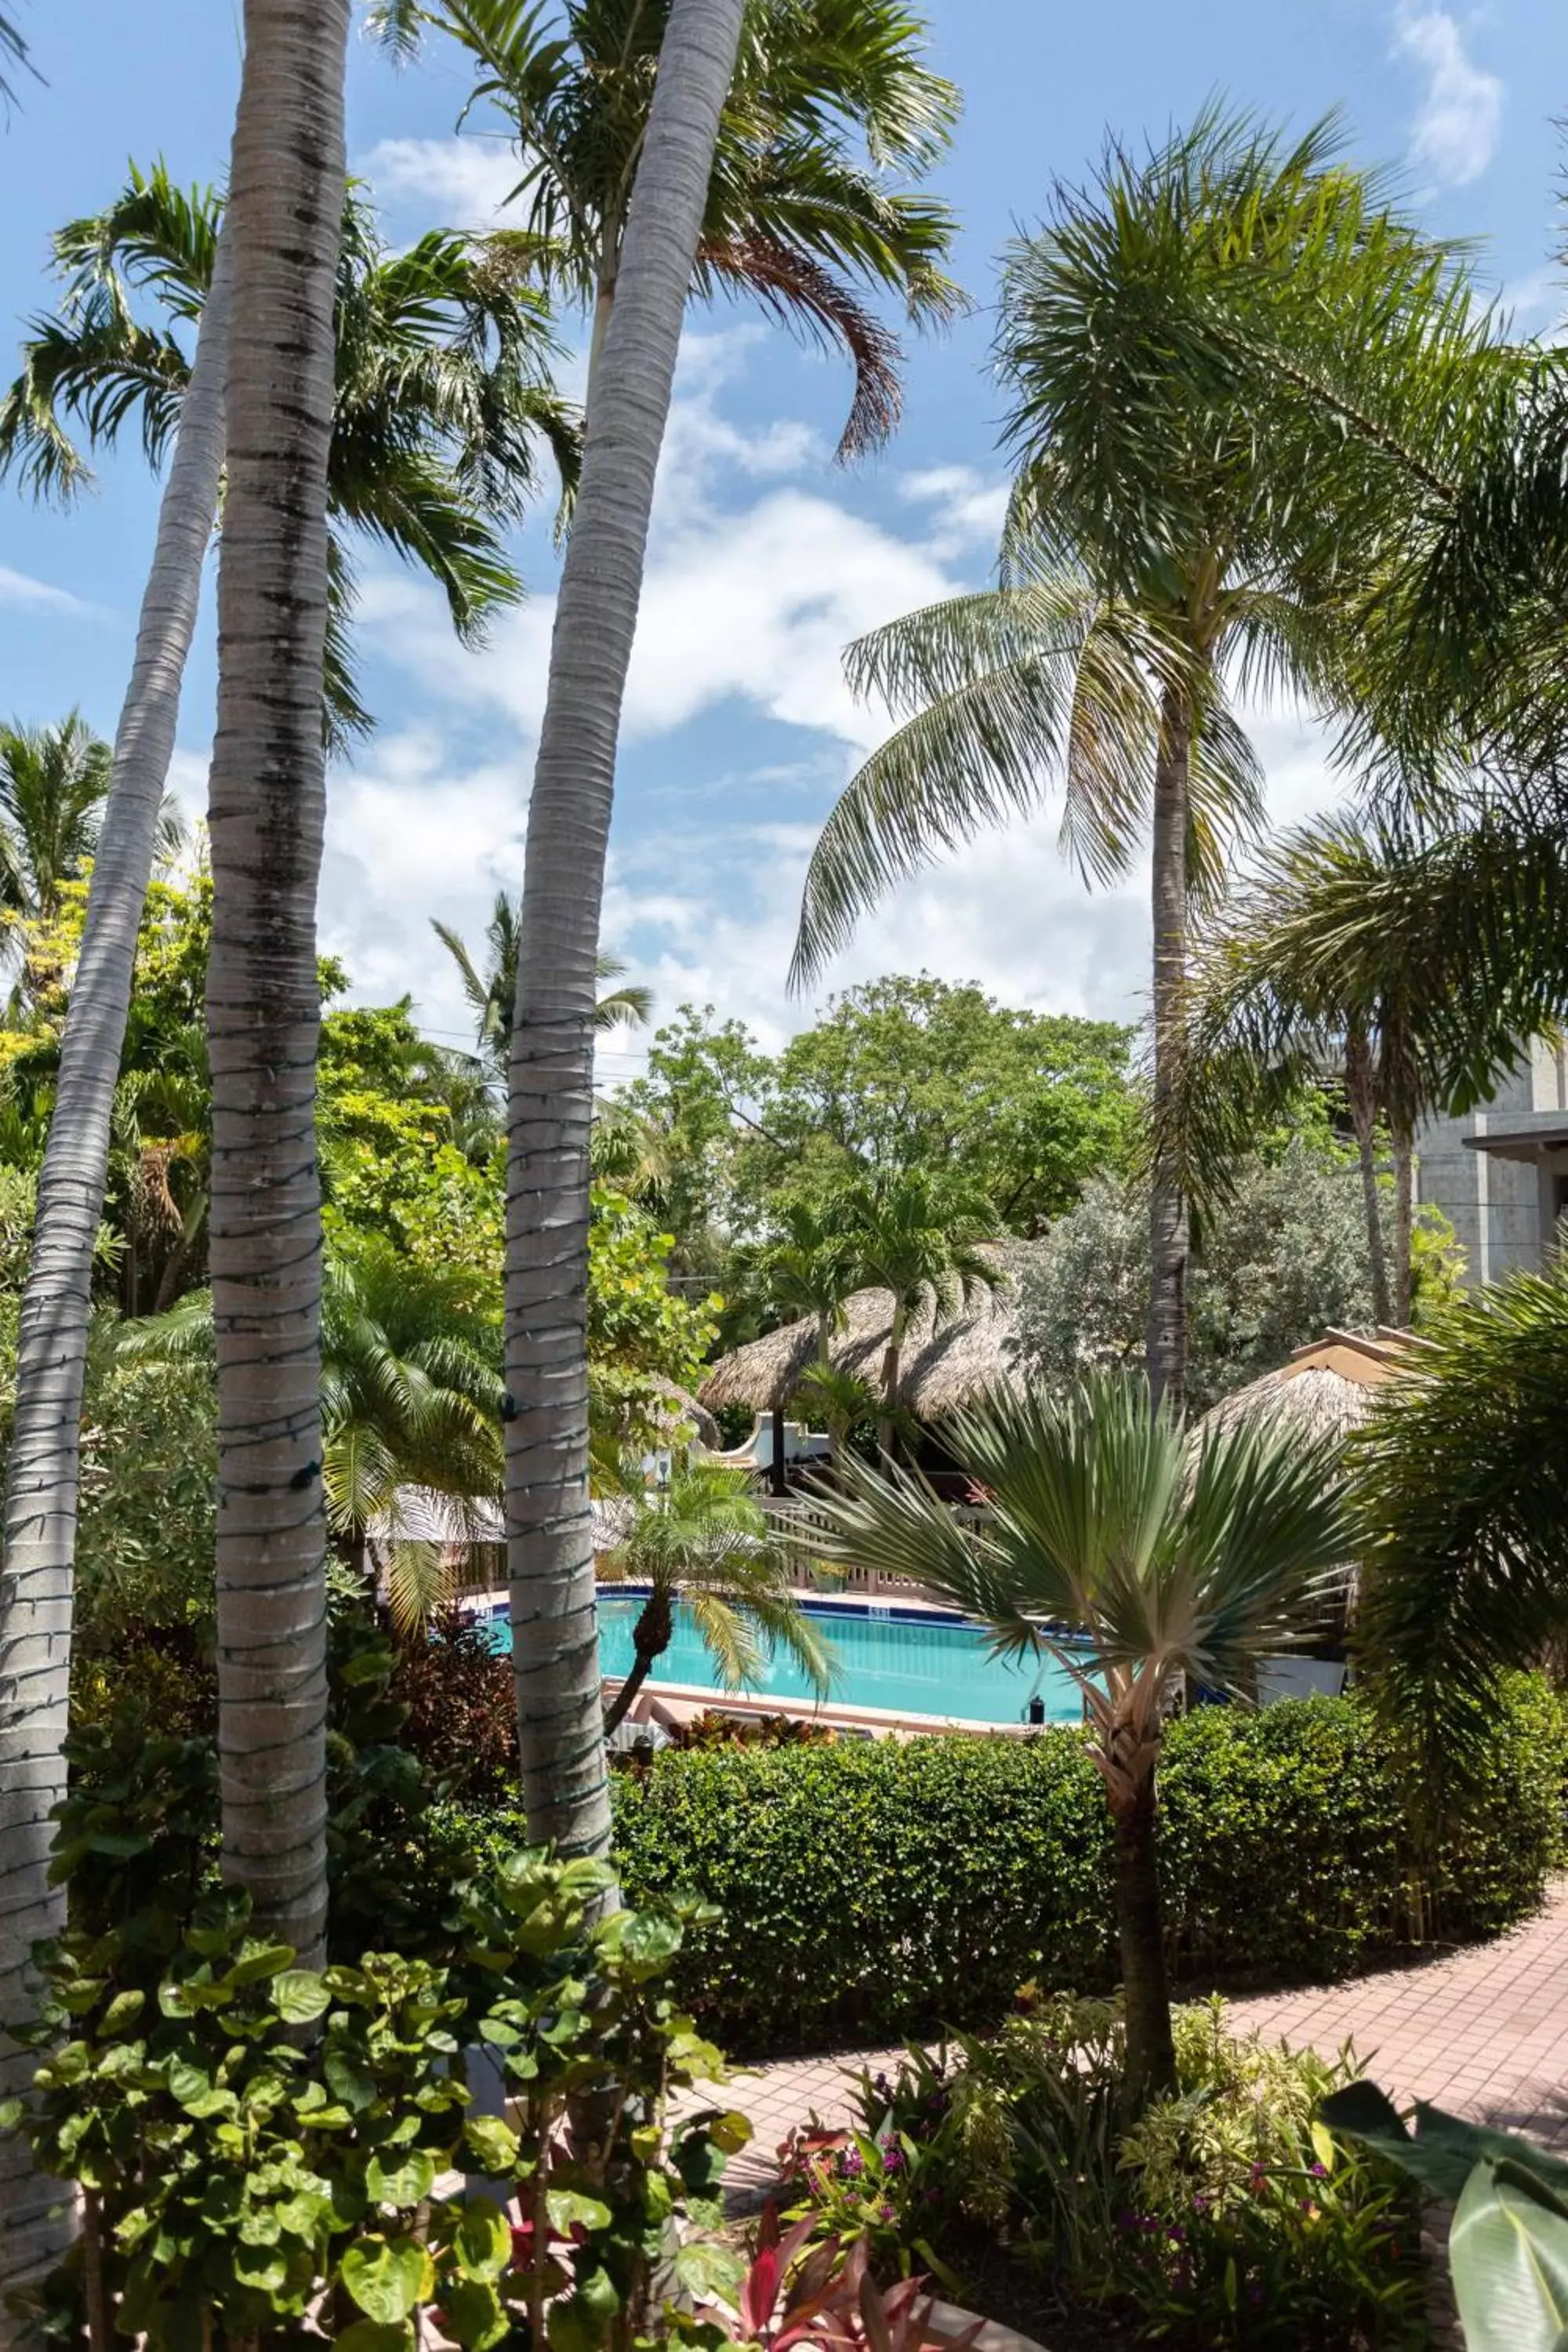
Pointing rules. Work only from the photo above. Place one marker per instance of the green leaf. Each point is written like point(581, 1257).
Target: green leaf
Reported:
point(261, 1961)
point(370, 2335)
point(495, 2144)
point(1507, 2250)
point(712, 2273)
point(300, 1997)
point(405, 2183)
point(648, 1943)
point(568, 2206)
point(476, 2316)
point(11, 2113)
point(348, 2081)
point(482, 2245)
point(388, 2277)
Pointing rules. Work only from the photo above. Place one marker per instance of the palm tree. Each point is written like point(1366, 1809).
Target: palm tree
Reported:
point(1462, 1478)
point(267, 811)
point(1422, 968)
point(492, 992)
point(12, 47)
point(53, 784)
point(825, 107)
point(1136, 1558)
point(442, 392)
point(1172, 341)
point(703, 1543)
point(809, 1267)
point(920, 1236)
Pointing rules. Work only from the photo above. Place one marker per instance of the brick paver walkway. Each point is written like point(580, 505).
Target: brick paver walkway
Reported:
point(1483, 2032)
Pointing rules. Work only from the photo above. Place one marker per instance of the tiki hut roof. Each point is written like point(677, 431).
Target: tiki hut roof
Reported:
point(1324, 1390)
point(945, 1367)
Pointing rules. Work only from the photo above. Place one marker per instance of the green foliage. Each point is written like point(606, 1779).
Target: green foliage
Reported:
point(1227, 2215)
point(1281, 1262)
point(1508, 2242)
point(869, 1890)
point(461, 1719)
point(253, 2136)
point(636, 1324)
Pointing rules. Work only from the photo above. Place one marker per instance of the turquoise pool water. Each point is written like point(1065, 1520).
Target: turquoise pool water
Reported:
point(902, 1661)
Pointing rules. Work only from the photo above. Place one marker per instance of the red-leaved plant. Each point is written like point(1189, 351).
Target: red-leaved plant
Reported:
point(826, 2297)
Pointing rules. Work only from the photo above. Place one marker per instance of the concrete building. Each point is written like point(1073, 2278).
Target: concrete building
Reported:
point(1501, 1175)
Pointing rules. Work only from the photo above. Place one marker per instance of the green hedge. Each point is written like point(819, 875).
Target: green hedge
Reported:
point(870, 1890)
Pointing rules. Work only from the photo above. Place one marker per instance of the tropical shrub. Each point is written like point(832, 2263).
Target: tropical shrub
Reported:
point(462, 1708)
point(865, 1890)
point(1228, 2213)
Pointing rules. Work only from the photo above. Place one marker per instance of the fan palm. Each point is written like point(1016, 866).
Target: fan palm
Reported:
point(1165, 337)
point(1139, 1560)
point(828, 105)
point(920, 1236)
point(704, 1544)
point(492, 992)
point(1423, 969)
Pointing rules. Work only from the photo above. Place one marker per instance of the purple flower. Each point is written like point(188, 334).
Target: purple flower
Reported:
point(888, 2214)
point(1201, 2204)
point(892, 2158)
point(1319, 2171)
point(851, 2164)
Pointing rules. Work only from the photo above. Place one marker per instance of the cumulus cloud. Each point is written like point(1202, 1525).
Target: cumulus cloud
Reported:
point(1456, 131)
point(38, 595)
point(465, 181)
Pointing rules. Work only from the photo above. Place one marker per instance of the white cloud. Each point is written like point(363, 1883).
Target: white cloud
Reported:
point(967, 511)
point(1456, 133)
point(465, 181)
point(18, 588)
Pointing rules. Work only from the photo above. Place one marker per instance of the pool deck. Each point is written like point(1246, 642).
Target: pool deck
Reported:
point(1482, 2032)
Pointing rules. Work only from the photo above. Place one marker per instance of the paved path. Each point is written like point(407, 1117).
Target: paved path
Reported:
point(1483, 2032)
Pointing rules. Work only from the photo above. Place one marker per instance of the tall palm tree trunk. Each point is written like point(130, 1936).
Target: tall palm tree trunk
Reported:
point(651, 1636)
point(285, 213)
point(1361, 1092)
point(1141, 1938)
point(892, 1364)
point(1403, 1221)
point(44, 1468)
point(549, 1526)
point(1168, 1235)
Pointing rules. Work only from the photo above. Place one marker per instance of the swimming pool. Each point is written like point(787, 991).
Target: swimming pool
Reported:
point(908, 1661)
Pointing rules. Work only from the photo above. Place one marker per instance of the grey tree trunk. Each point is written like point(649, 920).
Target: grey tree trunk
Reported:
point(1360, 1091)
point(43, 1471)
point(548, 1527)
point(1167, 1334)
point(1404, 1222)
point(267, 806)
point(1141, 1938)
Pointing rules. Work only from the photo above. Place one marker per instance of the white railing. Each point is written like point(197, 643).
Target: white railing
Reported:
point(795, 1517)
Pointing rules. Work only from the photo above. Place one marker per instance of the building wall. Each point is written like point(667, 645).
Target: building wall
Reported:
point(1497, 1208)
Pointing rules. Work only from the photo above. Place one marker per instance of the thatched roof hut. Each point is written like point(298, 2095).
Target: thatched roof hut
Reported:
point(1324, 1390)
point(945, 1364)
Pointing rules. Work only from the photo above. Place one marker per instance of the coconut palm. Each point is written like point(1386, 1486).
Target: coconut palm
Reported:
point(1137, 1559)
point(704, 1544)
point(492, 992)
point(1421, 970)
point(53, 784)
point(919, 1235)
point(1157, 338)
point(1462, 1474)
point(266, 810)
point(828, 107)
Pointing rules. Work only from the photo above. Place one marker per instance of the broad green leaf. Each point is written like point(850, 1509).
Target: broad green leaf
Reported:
point(388, 2277)
point(10, 2113)
point(1323, 2146)
point(568, 2207)
point(300, 1997)
point(482, 2245)
point(648, 1943)
point(1507, 2250)
point(370, 2335)
point(406, 2182)
point(494, 2142)
point(712, 2273)
point(123, 2011)
point(258, 1962)
point(476, 2316)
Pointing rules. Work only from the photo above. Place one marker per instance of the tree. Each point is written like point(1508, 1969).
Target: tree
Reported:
point(1136, 1559)
point(492, 992)
point(826, 108)
point(1172, 341)
point(267, 801)
point(53, 784)
point(809, 1266)
point(921, 1238)
point(1463, 1492)
point(14, 48)
point(703, 1543)
point(1421, 970)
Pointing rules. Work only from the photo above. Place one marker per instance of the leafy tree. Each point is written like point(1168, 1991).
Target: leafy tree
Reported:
point(53, 784)
point(1167, 340)
point(1136, 1559)
point(703, 1543)
point(919, 1236)
point(492, 992)
point(1283, 1259)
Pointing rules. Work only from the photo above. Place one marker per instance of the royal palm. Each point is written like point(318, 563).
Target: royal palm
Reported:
point(1176, 536)
point(1138, 1560)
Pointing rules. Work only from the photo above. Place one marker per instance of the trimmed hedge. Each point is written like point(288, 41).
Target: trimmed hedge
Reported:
point(870, 1890)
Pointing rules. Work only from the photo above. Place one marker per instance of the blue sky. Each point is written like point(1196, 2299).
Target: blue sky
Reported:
point(766, 557)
